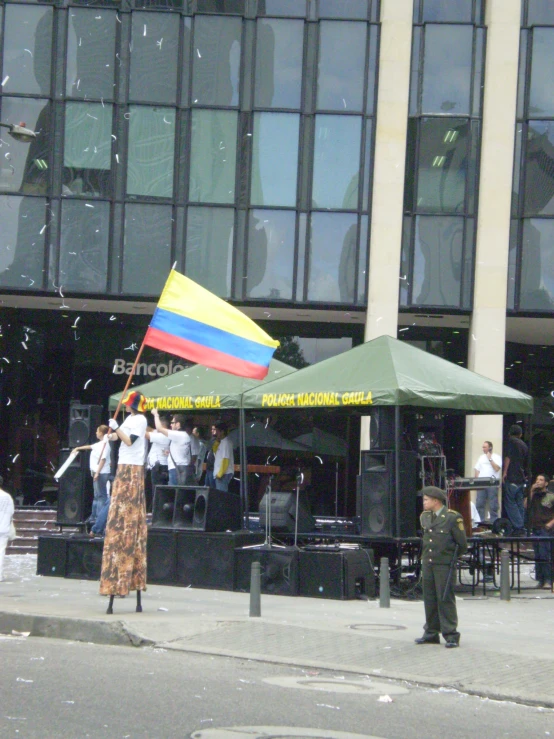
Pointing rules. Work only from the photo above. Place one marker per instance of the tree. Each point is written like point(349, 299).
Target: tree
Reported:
point(290, 352)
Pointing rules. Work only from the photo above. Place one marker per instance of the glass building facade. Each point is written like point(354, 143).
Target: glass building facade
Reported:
point(239, 140)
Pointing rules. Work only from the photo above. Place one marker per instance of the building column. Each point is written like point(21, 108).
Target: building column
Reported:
point(488, 322)
point(388, 170)
point(383, 280)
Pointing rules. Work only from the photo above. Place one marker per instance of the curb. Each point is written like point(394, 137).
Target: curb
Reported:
point(114, 633)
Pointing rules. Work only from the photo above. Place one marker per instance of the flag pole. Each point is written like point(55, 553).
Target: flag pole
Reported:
point(131, 375)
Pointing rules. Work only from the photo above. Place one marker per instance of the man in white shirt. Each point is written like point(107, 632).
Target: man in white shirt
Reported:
point(100, 467)
point(6, 517)
point(488, 465)
point(179, 463)
point(158, 456)
point(224, 464)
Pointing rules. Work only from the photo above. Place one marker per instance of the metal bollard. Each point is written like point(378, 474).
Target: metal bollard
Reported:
point(255, 589)
point(384, 583)
point(504, 575)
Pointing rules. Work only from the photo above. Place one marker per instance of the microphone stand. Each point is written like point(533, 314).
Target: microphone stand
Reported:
point(267, 542)
point(299, 481)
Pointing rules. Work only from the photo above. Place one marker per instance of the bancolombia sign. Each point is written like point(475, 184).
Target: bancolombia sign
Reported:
point(121, 367)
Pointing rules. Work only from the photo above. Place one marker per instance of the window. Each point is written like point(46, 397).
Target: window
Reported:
point(26, 167)
point(333, 241)
point(209, 248)
point(270, 254)
point(27, 49)
point(216, 66)
point(342, 50)
point(87, 149)
point(447, 69)
point(278, 63)
point(154, 57)
point(337, 150)
point(151, 151)
point(91, 54)
point(146, 248)
point(213, 156)
point(275, 159)
point(85, 229)
point(22, 241)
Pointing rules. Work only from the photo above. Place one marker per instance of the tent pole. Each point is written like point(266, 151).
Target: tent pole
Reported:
point(243, 469)
point(397, 469)
point(347, 463)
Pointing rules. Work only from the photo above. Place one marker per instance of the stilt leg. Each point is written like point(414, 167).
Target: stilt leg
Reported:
point(139, 604)
point(110, 605)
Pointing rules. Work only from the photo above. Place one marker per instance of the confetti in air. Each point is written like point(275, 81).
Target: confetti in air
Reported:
point(87, 383)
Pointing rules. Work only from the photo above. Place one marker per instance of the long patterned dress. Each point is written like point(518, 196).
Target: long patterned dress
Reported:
point(124, 556)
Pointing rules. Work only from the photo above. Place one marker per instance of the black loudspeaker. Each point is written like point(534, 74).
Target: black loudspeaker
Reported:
point(84, 558)
point(163, 506)
point(381, 428)
point(342, 574)
point(279, 570)
point(195, 508)
point(83, 422)
point(75, 492)
point(51, 555)
point(208, 560)
point(376, 494)
point(160, 555)
point(283, 512)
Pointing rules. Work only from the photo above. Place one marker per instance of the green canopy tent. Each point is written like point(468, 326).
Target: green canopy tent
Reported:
point(388, 372)
point(200, 388)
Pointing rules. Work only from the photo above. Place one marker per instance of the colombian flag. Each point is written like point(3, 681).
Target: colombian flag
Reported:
point(195, 324)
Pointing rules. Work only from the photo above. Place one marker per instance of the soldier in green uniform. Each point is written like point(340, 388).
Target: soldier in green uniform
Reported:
point(442, 531)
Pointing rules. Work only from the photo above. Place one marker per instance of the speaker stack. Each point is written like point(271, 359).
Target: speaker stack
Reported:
point(75, 491)
point(279, 570)
point(83, 422)
point(341, 574)
point(195, 508)
point(283, 512)
point(376, 494)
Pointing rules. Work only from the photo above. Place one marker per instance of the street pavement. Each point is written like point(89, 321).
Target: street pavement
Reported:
point(504, 654)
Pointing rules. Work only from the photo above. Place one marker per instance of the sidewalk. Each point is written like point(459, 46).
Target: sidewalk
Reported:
point(505, 649)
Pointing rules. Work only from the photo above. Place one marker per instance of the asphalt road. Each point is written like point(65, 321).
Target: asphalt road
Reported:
point(51, 688)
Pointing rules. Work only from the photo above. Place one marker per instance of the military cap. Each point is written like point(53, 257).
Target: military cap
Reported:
point(432, 492)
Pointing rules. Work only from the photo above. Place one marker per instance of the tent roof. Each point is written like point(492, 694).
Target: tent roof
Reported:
point(386, 371)
point(201, 388)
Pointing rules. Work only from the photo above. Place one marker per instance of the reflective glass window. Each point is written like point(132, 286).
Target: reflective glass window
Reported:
point(279, 46)
point(343, 8)
point(209, 248)
point(151, 151)
point(216, 66)
point(91, 53)
point(85, 233)
point(270, 254)
point(87, 149)
point(332, 263)
point(541, 87)
point(25, 167)
point(447, 11)
point(537, 265)
point(213, 156)
point(340, 78)
point(447, 69)
point(154, 57)
point(22, 241)
point(437, 261)
point(539, 168)
point(274, 159)
point(443, 163)
point(27, 49)
point(146, 248)
point(540, 13)
point(282, 7)
point(336, 161)
point(220, 6)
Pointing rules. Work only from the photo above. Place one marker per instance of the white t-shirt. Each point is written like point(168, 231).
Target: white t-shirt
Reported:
point(485, 468)
point(179, 448)
point(160, 444)
point(6, 512)
point(98, 451)
point(134, 454)
point(224, 451)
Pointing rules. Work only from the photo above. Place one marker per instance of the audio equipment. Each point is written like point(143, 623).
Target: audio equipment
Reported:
point(342, 574)
point(283, 512)
point(473, 483)
point(84, 558)
point(279, 570)
point(75, 492)
point(160, 557)
point(51, 555)
point(376, 494)
point(195, 508)
point(83, 422)
point(381, 428)
point(207, 560)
